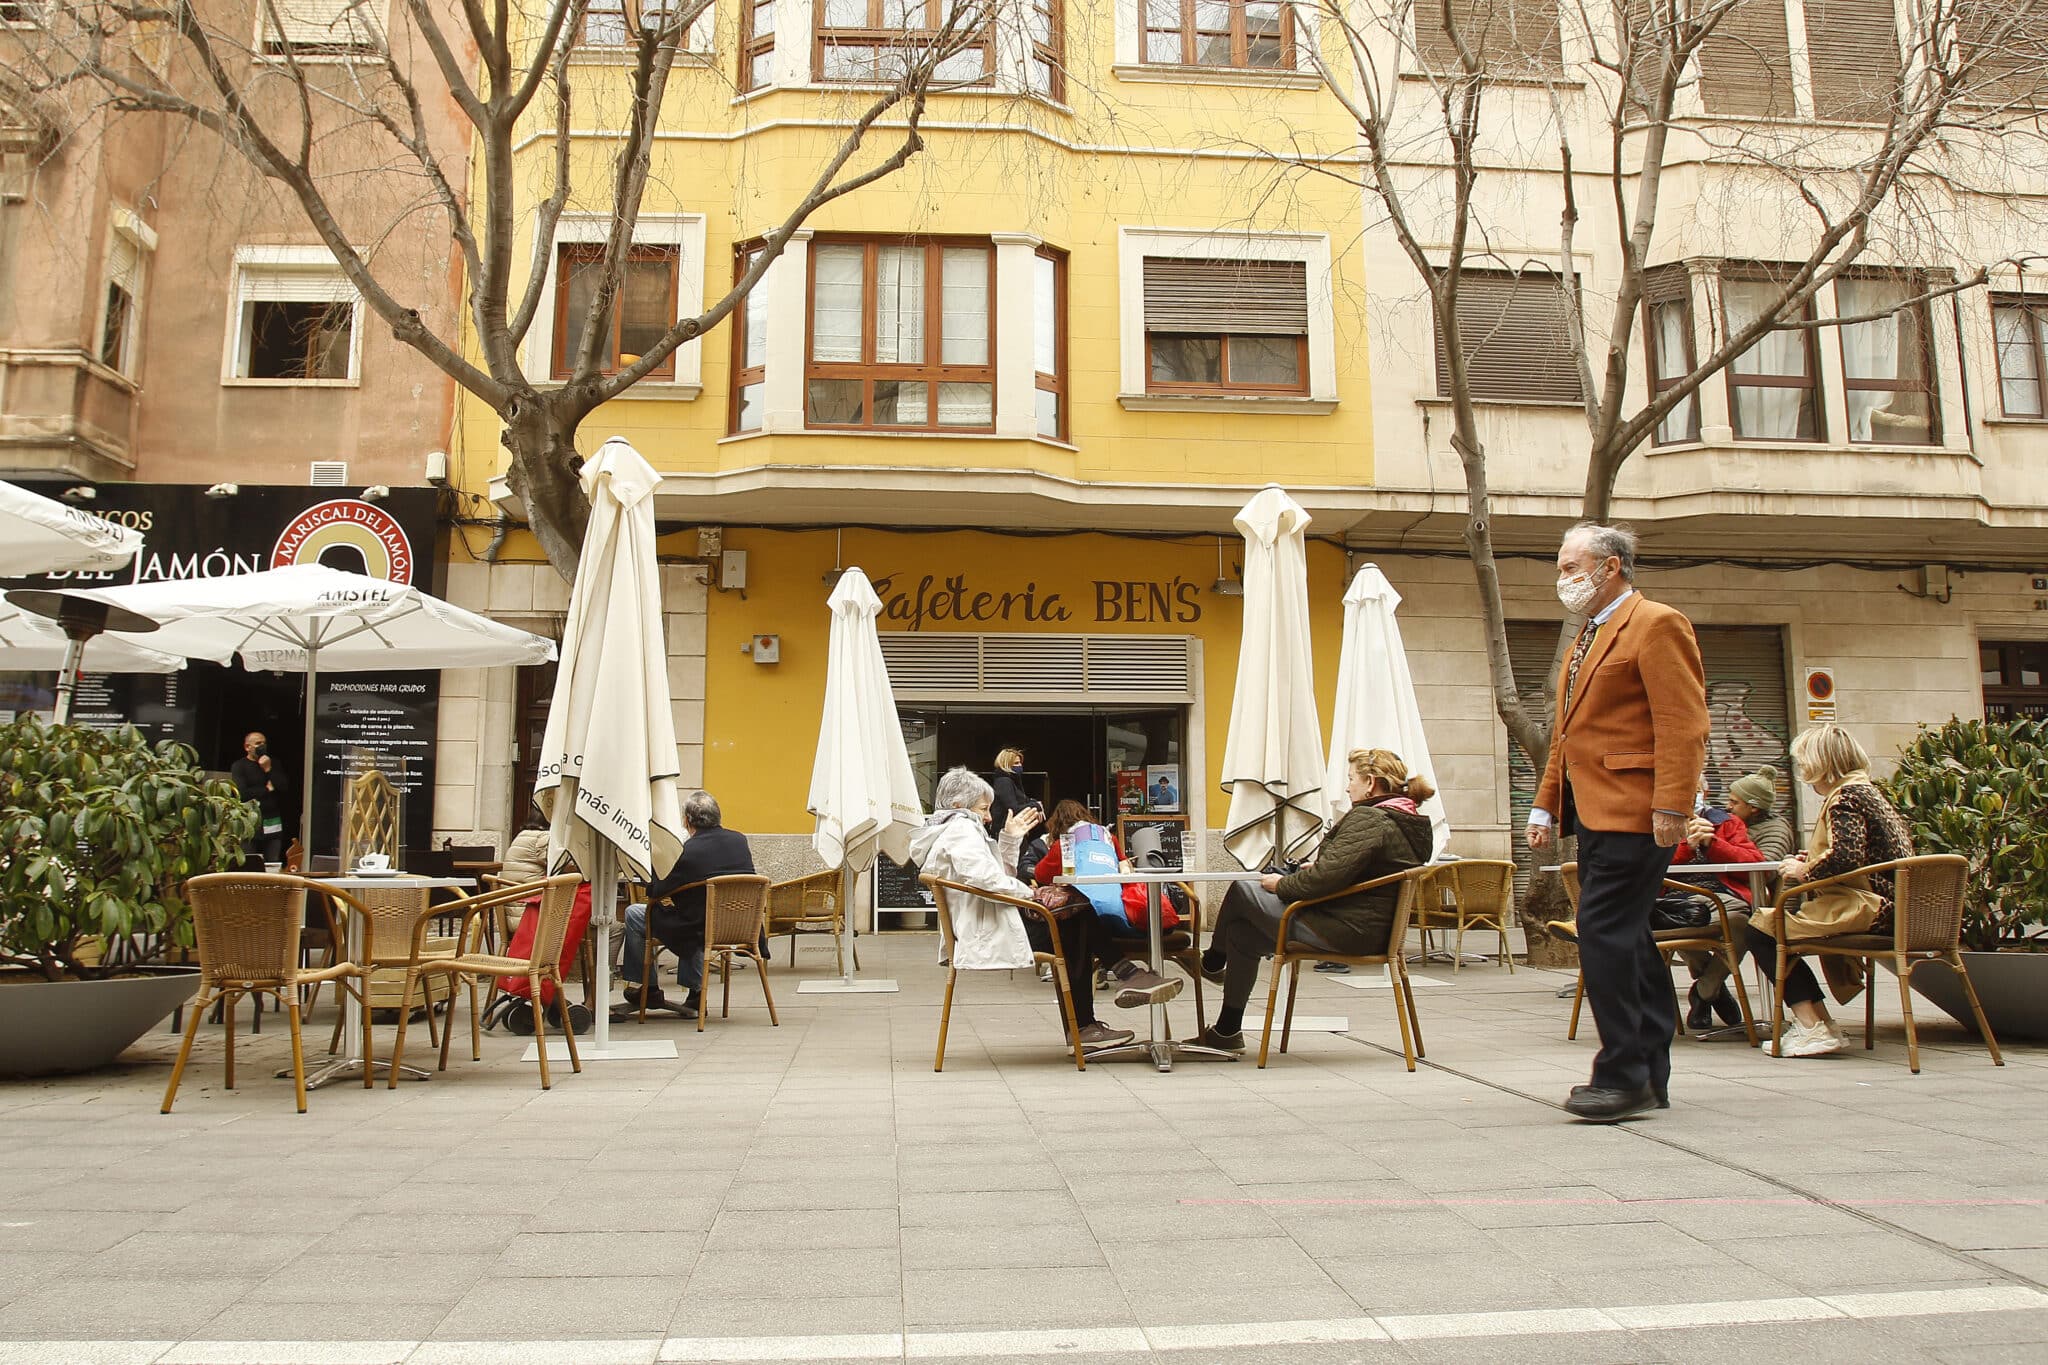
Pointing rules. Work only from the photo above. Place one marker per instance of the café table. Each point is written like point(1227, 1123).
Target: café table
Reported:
point(1159, 1046)
point(352, 1064)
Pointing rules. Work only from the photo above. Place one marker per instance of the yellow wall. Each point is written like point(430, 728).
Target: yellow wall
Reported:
point(761, 720)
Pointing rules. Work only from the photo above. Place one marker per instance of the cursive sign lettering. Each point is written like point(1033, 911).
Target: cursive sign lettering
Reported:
point(954, 600)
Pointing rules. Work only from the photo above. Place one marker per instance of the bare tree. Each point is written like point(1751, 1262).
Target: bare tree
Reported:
point(336, 136)
point(1470, 112)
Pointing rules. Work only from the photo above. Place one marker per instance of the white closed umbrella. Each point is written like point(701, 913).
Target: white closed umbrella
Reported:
point(1376, 707)
point(42, 535)
point(863, 789)
point(307, 618)
point(608, 780)
point(1273, 764)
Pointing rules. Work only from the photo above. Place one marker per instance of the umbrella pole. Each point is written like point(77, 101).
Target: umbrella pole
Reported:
point(848, 879)
point(604, 899)
point(307, 764)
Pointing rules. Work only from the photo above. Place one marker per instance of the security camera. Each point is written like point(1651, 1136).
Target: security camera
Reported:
point(377, 492)
point(82, 493)
point(223, 490)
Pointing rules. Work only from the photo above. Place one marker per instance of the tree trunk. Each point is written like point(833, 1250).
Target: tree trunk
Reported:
point(544, 474)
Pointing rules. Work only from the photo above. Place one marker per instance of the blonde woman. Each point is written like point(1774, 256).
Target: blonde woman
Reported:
point(1383, 833)
point(1008, 786)
point(1857, 827)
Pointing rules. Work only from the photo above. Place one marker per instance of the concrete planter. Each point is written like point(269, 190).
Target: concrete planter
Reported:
point(50, 1028)
point(2013, 988)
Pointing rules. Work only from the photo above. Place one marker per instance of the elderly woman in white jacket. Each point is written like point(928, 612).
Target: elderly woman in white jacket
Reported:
point(954, 845)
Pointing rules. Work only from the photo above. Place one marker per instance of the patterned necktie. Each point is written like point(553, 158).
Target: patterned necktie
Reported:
point(1571, 676)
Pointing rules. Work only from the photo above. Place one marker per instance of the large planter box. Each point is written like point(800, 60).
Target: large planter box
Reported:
point(49, 1028)
point(2012, 987)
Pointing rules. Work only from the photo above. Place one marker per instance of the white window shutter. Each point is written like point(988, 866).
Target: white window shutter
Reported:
point(321, 27)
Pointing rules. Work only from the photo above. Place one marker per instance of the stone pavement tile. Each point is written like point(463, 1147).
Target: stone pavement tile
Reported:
point(1855, 1262)
point(1169, 1297)
point(385, 1232)
point(988, 1208)
point(1376, 1232)
point(977, 1300)
point(166, 1253)
point(437, 1273)
point(65, 1231)
point(1029, 1245)
point(1603, 1348)
point(1618, 1244)
point(501, 1308)
point(1038, 1174)
point(814, 1229)
point(575, 1255)
point(1549, 1206)
point(365, 1318)
point(1138, 1216)
point(792, 1314)
point(623, 1209)
point(838, 1272)
point(1392, 1283)
point(1832, 1342)
point(21, 1271)
point(1949, 1330)
point(1265, 1261)
point(1721, 1219)
point(121, 1307)
point(1974, 1227)
point(802, 1193)
point(2027, 1263)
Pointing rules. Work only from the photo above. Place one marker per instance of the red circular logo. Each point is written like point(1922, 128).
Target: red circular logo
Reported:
point(347, 528)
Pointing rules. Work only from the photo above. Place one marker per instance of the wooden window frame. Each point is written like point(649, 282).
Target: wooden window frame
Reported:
point(1052, 52)
point(2009, 697)
point(565, 337)
point(1240, 40)
point(1226, 385)
point(931, 371)
point(743, 374)
point(1915, 284)
point(2035, 309)
point(878, 34)
point(1810, 381)
point(751, 45)
point(1056, 383)
point(1661, 292)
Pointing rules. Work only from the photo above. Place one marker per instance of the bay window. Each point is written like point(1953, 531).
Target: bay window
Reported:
point(2020, 326)
point(877, 40)
point(901, 335)
point(1772, 394)
point(1887, 368)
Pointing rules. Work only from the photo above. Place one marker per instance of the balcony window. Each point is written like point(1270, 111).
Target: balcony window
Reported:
point(757, 44)
point(749, 345)
point(1887, 365)
point(120, 311)
point(1771, 389)
point(876, 41)
point(1049, 343)
point(641, 313)
point(901, 335)
point(1243, 34)
point(2021, 328)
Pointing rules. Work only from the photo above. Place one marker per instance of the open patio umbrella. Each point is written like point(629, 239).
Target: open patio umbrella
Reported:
point(31, 644)
point(863, 790)
point(608, 776)
point(1376, 706)
point(1273, 759)
point(307, 618)
point(42, 535)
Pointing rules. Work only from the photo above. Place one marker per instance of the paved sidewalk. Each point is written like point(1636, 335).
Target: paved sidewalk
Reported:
point(815, 1192)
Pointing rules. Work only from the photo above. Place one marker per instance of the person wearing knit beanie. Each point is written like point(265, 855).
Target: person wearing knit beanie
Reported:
point(1758, 789)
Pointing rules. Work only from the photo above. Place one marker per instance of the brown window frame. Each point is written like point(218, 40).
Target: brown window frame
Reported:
point(1056, 383)
point(561, 362)
point(1811, 380)
point(743, 374)
point(2035, 309)
point(1052, 52)
point(1240, 40)
point(1915, 284)
point(1663, 290)
point(2009, 698)
point(875, 33)
point(1226, 385)
point(752, 45)
point(931, 371)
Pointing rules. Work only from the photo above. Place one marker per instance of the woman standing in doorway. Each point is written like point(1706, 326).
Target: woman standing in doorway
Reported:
point(1009, 788)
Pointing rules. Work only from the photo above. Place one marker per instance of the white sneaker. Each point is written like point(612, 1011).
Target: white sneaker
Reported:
point(1804, 1040)
point(1835, 1032)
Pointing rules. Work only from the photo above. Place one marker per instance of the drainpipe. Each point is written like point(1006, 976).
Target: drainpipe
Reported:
point(500, 529)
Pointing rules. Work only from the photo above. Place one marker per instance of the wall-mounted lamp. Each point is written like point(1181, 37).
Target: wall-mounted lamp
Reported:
point(1226, 585)
point(377, 492)
point(224, 490)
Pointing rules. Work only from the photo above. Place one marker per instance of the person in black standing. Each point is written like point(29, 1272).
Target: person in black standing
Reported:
point(256, 777)
point(1008, 786)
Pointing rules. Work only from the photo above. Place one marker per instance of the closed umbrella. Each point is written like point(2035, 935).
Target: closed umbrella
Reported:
point(1273, 759)
point(863, 789)
point(42, 535)
point(1376, 706)
point(608, 776)
point(307, 618)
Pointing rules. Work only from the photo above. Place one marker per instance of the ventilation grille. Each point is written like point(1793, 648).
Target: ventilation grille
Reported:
point(329, 473)
point(1110, 668)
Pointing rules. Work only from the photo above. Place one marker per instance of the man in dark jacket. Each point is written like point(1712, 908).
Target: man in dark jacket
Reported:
point(677, 905)
point(259, 783)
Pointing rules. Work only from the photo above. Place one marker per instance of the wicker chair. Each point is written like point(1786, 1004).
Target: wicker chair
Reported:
point(735, 908)
point(1722, 937)
point(557, 901)
point(370, 823)
point(1483, 894)
point(395, 921)
point(810, 905)
point(1288, 957)
point(1927, 925)
point(941, 891)
point(248, 926)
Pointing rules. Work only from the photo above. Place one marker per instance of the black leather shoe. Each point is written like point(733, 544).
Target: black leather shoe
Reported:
point(1598, 1104)
point(1725, 1006)
point(1699, 1014)
point(1663, 1096)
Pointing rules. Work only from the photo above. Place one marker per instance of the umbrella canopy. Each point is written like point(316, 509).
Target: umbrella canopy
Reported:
point(609, 775)
point(1273, 759)
point(1376, 706)
point(863, 790)
point(31, 644)
point(306, 617)
point(42, 535)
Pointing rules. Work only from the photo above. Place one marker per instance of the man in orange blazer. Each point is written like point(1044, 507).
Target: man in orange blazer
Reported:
point(1625, 762)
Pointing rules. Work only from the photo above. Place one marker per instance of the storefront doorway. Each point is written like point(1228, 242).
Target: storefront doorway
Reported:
point(1108, 758)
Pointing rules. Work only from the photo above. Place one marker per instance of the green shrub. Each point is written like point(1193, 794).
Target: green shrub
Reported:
point(98, 831)
point(1980, 789)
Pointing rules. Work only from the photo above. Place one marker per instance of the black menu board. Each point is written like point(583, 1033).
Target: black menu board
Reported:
point(897, 886)
point(1171, 830)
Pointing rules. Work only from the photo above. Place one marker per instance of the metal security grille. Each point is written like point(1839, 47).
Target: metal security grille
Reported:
point(1066, 668)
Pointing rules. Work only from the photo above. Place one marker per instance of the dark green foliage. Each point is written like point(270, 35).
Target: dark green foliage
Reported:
point(1980, 788)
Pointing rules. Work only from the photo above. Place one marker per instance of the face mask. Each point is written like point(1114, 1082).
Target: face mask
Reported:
point(1578, 591)
point(260, 750)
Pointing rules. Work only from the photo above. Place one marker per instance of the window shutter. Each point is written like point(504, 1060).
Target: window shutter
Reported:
point(1517, 338)
point(124, 264)
point(2006, 49)
point(1746, 63)
point(1853, 48)
point(320, 27)
point(1507, 34)
point(295, 284)
point(1246, 298)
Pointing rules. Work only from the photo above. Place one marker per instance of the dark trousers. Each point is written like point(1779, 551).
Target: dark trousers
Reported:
point(1247, 928)
point(1628, 982)
point(1800, 986)
point(1077, 948)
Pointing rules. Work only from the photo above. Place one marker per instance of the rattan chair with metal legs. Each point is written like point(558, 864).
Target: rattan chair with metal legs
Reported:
point(1289, 955)
point(810, 905)
point(942, 891)
point(735, 910)
point(1927, 926)
point(541, 967)
point(248, 926)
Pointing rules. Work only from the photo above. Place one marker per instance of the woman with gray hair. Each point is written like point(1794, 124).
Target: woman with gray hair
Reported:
point(954, 845)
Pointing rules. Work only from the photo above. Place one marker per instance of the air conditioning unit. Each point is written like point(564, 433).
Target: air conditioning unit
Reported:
point(329, 473)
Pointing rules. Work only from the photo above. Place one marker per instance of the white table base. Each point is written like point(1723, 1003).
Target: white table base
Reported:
point(616, 1050)
point(859, 985)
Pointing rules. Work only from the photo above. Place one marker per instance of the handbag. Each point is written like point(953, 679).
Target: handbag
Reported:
point(1681, 910)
